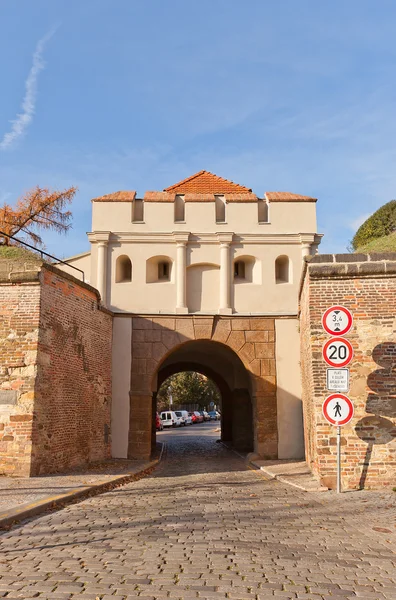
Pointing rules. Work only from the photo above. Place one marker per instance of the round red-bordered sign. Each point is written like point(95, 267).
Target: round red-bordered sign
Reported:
point(337, 409)
point(337, 320)
point(337, 352)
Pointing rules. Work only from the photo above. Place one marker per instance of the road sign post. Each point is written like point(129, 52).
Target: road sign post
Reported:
point(338, 410)
point(337, 353)
point(338, 460)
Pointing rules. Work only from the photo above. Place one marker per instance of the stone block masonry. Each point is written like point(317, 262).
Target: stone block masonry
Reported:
point(366, 284)
point(251, 339)
point(55, 371)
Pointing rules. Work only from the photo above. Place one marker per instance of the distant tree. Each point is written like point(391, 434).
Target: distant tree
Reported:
point(187, 388)
point(38, 209)
point(380, 224)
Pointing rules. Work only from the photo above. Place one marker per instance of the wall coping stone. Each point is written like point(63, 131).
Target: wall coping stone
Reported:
point(28, 271)
point(347, 266)
point(350, 265)
point(351, 258)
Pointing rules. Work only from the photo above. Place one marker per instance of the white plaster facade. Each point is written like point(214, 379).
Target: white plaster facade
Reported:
point(201, 254)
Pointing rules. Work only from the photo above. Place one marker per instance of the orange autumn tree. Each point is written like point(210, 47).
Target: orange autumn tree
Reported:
point(38, 209)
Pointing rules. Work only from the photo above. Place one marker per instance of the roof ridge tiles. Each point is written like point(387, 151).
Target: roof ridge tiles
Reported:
point(207, 183)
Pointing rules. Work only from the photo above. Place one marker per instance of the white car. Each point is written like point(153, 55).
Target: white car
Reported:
point(184, 416)
point(169, 419)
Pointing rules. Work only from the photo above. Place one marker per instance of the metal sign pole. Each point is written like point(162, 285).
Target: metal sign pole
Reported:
point(338, 459)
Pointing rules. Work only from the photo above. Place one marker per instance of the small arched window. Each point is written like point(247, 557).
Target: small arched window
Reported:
point(239, 269)
point(159, 269)
point(123, 269)
point(163, 271)
point(247, 269)
point(282, 269)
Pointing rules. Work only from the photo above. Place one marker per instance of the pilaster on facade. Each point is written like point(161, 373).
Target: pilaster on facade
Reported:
point(225, 240)
point(309, 243)
point(101, 239)
point(181, 261)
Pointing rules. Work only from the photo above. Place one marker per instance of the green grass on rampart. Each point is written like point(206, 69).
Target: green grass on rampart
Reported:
point(382, 244)
point(18, 253)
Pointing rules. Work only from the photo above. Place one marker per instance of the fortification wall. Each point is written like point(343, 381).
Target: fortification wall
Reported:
point(19, 326)
point(366, 285)
point(55, 374)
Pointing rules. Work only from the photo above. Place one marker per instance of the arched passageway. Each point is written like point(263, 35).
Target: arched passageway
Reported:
point(238, 354)
point(222, 365)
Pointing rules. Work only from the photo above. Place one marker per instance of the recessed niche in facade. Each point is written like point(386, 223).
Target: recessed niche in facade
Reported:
point(283, 270)
point(220, 206)
point(137, 211)
point(123, 269)
point(179, 209)
point(159, 269)
point(262, 209)
point(203, 285)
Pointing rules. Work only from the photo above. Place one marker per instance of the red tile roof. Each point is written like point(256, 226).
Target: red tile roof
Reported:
point(123, 196)
point(241, 197)
point(287, 197)
point(159, 197)
point(205, 182)
point(194, 197)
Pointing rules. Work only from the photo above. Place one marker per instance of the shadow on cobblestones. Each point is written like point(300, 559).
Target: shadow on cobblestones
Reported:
point(183, 534)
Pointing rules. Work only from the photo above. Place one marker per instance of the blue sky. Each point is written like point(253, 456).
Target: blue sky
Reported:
point(125, 94)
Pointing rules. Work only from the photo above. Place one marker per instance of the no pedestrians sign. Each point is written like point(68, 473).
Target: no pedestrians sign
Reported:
point(337, 409)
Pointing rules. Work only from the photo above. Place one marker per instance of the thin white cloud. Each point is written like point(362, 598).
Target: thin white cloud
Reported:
point(355, 223)
point(23, 119)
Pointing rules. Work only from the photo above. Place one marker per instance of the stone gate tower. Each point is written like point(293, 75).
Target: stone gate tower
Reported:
point(204, 275)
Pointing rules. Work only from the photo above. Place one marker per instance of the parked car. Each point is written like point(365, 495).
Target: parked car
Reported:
point(158, 422)
point(214, 415)
point(184, 416)
point(198, 416)
point(169, 419)
point(205, 415)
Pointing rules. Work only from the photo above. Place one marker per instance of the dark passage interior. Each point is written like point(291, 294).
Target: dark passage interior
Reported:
point(220, 364)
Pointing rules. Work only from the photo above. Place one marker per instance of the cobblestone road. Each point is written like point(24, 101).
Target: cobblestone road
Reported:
point(205, 526)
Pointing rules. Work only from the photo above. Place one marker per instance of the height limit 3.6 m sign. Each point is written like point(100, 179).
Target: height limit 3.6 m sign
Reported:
point(337, 320)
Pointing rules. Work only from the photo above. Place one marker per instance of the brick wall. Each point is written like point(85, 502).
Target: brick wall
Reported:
point(56, 356)
point(367, 286)
point(19, 322)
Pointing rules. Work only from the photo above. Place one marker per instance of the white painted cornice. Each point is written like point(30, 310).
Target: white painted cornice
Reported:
point(99, 236)
point(150, 237)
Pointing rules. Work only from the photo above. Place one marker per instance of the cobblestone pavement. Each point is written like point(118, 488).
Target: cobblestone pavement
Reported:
point(16, 491)
point(204, 526)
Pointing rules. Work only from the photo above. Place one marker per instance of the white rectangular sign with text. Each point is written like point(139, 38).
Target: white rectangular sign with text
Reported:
point(337, 380)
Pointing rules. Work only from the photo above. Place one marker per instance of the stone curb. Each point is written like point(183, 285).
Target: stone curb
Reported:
point(24, 511)
point(284, 479)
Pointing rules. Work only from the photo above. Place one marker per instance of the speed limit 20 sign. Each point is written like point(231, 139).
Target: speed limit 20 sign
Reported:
point(337, 320)
point(337, 352)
